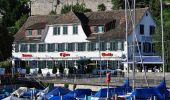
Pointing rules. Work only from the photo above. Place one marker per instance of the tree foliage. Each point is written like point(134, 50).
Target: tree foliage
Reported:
point(101, 7)
point(5, 44)
point(76, 8)
point(54, 71)
point(14, 12)
point(119, 4)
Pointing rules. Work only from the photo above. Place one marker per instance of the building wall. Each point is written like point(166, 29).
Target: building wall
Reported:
point(43, 7)
point(70, 37)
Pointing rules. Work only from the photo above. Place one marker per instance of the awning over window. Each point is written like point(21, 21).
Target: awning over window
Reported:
point(146, 60)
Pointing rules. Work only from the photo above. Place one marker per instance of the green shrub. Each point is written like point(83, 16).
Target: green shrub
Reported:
point(66, 85)
point(39, 70)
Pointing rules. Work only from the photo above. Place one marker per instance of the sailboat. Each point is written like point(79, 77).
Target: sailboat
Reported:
point(160, 92)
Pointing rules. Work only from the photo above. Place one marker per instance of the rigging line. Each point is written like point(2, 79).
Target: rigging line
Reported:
point(142, 61)
point(138, 46)
point(162, 30)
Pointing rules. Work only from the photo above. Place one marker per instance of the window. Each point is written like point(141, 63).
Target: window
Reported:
point(81, 46)
point(141, 29)
point(113, 46)
point(60, 47)
point(88, 46)
point(33, 48)
point(102, 46)
point(65, 31)
point(16, 48)
point(120, 45)
point(152, 30)
point(39, 32)
point(100, 29)
point(42, 47)
point(29, 32)
point(23, 48)
point(51, 47)
point(71, 47)
point(56, 30)
point(75, 29)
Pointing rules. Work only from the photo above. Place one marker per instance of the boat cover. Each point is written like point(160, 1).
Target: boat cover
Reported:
point(78, 93)
point(57, 91)
point(30, 92)
point(160, 92)
point(120, 90)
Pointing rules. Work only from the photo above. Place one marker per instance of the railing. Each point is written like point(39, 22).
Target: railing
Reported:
point(90, 79)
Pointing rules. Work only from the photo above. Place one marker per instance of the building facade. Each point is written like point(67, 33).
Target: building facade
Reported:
point(65, 40)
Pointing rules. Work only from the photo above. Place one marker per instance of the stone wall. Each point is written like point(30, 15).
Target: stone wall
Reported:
point(43, 7)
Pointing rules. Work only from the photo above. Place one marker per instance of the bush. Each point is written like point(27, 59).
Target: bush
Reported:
point(39, 70)
point(74, 86)
point(66, 85)
point(27, 69)
point(54, 71)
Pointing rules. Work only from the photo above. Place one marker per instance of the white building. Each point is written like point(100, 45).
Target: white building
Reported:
point(44, 41)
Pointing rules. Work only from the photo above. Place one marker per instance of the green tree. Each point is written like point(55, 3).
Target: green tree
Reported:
point(101, 7)
point(54, 71)
point(13, 10)
point(76, 8)
point(5, 44)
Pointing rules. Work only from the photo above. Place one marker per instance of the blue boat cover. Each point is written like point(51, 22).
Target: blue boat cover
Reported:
point(55, 98)
point(30, 92)
point(57, 91)
point(78, 93)
point(120, 90)
point(160, 92)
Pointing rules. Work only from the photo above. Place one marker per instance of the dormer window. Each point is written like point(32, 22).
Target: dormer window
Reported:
point(29, 33)
point(56, 30)
point(65, 30)
point(100, 29)
point(39, 32)
point(75, 29)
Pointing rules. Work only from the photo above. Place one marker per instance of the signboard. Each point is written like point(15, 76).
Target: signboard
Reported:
point(26, 55)
point(107, 54)
point(64, 54)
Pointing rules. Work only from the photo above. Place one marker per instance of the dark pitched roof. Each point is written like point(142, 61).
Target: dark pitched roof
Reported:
point(68, 18)
point(99, 21)
point(32, 21)
point(37, 26)
point(119, 15)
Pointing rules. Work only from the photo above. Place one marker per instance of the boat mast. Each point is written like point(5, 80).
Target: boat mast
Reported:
point(162, 30)
point(127, 53)
point(134, 33)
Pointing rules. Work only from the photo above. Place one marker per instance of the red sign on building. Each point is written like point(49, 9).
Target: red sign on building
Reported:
point(107, 54)
point(64, 54)
point(26, 55)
